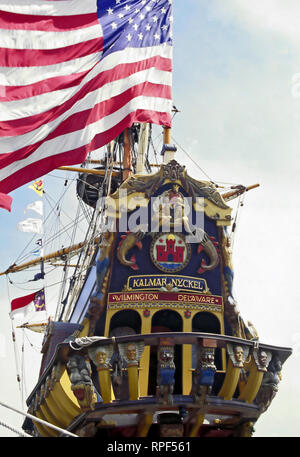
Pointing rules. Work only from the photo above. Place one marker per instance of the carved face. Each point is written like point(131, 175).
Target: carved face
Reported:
point(131, 352)
point(207, 358)
point(101, 357)
point(277, 365)
point(165, 355)
point(238, 353)
point(263, 358)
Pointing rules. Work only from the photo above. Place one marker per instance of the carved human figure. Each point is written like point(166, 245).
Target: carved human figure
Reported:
point(269, 385)
point(166, 371)
point(131, 352)
point(203, 377)
point(166, 355)
point(101, 357)
point(263, 358)
point(206, 359)
point(79, 370)
point(238, 352)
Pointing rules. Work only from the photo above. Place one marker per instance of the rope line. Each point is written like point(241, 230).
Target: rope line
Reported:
point(36, 419)
point(18, 432)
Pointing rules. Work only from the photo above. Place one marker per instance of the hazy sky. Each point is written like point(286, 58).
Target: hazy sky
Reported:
point(236, 69)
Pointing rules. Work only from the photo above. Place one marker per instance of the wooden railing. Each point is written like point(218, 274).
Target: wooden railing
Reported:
point(97, 372)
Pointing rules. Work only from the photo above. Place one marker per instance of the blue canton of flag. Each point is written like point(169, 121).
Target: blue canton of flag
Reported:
point(135, 23)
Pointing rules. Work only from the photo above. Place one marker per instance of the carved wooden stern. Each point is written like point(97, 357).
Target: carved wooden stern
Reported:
point(162, 349)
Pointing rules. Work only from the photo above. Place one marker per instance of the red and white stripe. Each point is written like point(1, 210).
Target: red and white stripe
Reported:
point(59, 99)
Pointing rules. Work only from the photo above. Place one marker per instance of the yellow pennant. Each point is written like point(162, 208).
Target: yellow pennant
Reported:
point(37, 186)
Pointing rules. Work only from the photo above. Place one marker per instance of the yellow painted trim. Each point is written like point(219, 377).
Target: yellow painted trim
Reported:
point(144, 425)
point(39, 427)
point(66, 386)
point(197, 425)
point(230, 382)
point(220, 317)
point(186, 351)
point(60, 397)
point(163, 277)
point(106, 389)
point(45, 431)
point(86, 328)
point(211, 210)
point(130, 202)
point(63, 395)
point(49, 417)
point(57, 409)
point(145, 359)
point(250, 390)
point(187, 359)
point(133, 382)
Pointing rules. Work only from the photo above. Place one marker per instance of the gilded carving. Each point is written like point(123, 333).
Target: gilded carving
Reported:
point(269, 385)
point(47, 385)
point(81, 384)
point(166, 372)
point(172, 171)
point(203, 376)
point(238, 354)
point(262, 359)
point(101, 356)
point(128, 242)
point(131, 352)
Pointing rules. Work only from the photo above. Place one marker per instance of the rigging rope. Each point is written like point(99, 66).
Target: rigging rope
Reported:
point(197, 165)
point(66, 269)
point(14, 343)
point(23, 384)
point(240, 204)
point(95, 225)
point(36, 419)
point(18, 432)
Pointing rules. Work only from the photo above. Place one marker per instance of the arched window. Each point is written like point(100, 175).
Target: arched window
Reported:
point(125, 322)
point(165, 320)
point(205, 322)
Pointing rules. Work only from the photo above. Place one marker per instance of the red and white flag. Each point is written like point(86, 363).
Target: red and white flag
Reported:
point(5, 201)
point(74, 74)
point(24, 307)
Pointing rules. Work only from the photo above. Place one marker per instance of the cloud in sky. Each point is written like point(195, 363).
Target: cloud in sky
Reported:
point(234, 62)
point(272, 15)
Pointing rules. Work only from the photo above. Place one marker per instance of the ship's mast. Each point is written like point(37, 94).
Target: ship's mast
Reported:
point(54, 255)
point(127, 159)
point(142, 148)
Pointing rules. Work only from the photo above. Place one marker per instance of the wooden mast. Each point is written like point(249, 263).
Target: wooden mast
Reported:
point(167, 135)
point(142, 149)
point(53, 255)
point(90, 171)
point(235, 193)
point(168, 151)
point(127, 159)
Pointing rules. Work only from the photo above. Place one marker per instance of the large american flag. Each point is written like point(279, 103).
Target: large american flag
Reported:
point(74, 74)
